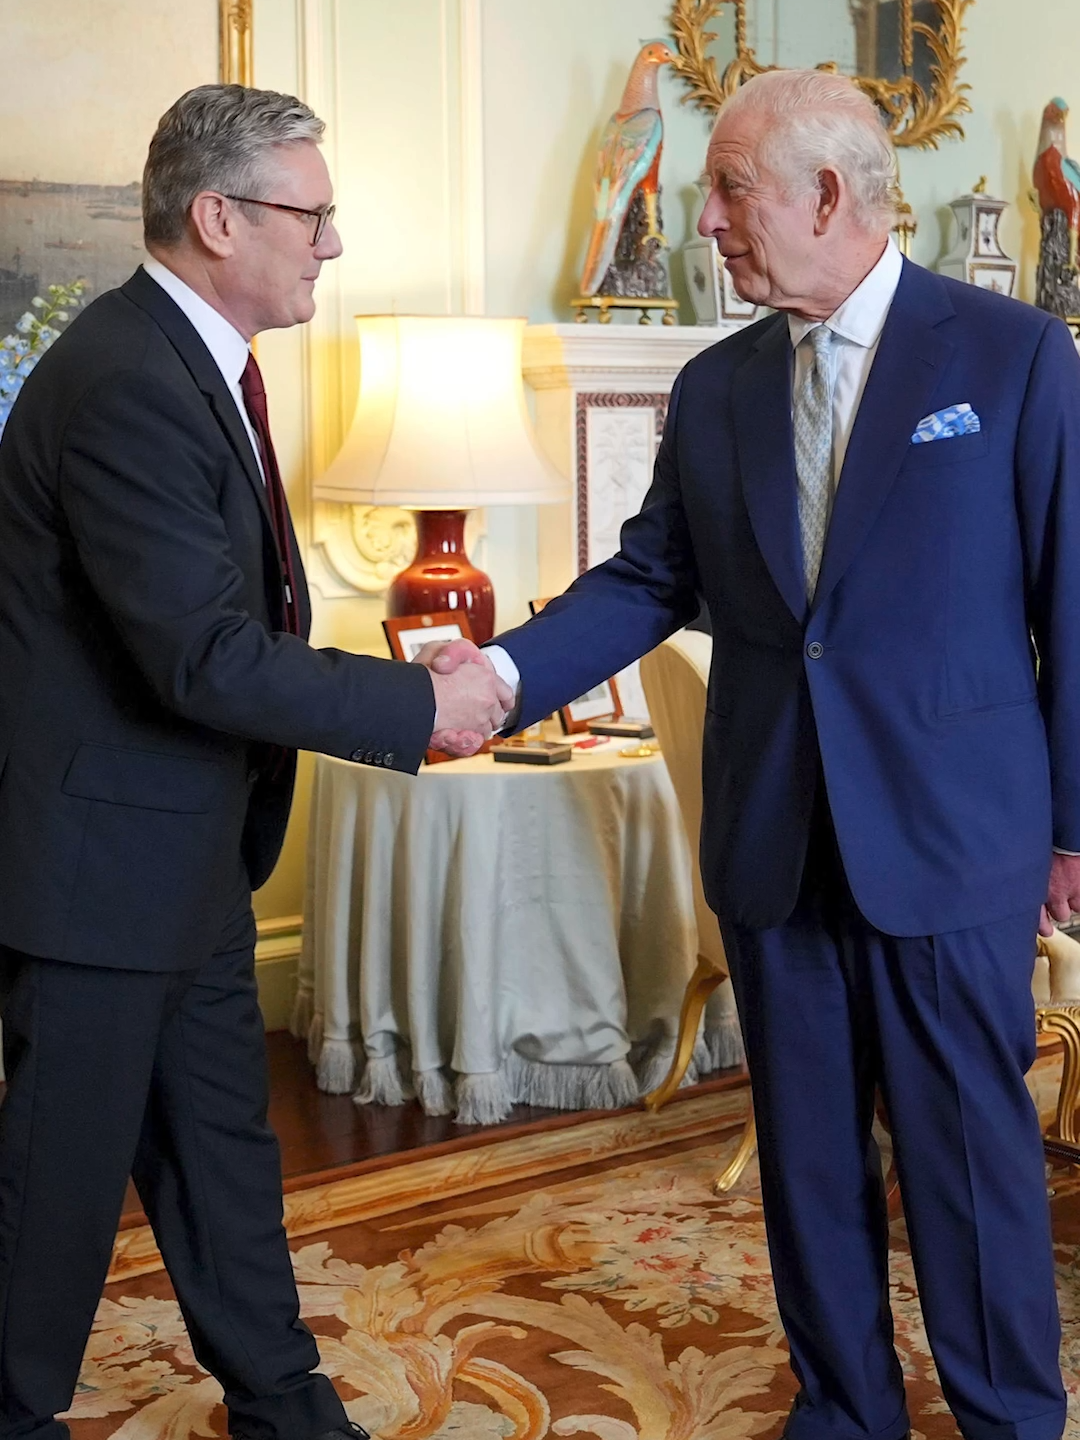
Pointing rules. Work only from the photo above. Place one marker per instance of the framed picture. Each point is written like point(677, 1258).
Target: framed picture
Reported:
point(70, 190)
point(600, 703)
point(407, 635)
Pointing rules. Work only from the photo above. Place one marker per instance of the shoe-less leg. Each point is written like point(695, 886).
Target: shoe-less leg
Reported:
point(208, 1171)
point(79, 1047)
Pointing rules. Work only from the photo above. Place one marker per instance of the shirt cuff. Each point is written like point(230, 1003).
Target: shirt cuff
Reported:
point(1057, 848)
point(505, 668)
point(509, 674)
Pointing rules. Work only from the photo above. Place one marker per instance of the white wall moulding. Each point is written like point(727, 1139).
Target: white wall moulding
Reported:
point(363, 547)
point(613, 357)
point(601, 395)
point(601, 398)
point(277, 952)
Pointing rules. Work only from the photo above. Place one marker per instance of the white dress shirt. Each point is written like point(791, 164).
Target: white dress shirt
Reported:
point(857, 324)
point(227, 346)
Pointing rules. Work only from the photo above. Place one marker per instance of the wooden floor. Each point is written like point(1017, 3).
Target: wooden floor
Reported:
point(328, 1133)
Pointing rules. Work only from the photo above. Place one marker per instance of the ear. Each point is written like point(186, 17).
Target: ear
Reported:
point(215, 221)
point(830, 191)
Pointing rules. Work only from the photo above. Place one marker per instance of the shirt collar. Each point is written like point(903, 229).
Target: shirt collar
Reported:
point(861, 317)
point(227, 346)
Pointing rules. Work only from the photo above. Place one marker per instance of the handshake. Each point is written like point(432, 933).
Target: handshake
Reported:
point(471, 702)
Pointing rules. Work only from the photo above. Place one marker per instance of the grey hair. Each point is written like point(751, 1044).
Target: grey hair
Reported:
point(217, 137)
point(823, 121)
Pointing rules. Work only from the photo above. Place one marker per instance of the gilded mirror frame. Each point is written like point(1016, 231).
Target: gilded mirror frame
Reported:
point(913, 116)
point(234, 28)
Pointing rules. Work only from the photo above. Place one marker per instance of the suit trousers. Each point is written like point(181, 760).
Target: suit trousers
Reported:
point(943, 1026)
point(162, 1076)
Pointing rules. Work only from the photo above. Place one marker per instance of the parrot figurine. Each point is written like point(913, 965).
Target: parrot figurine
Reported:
point(1056, 177)
point(628, 162)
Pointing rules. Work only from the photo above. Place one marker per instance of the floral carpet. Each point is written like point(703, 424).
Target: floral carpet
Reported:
point(625, 1303)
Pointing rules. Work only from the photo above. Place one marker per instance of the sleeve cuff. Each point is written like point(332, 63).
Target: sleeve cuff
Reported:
point(510, 675)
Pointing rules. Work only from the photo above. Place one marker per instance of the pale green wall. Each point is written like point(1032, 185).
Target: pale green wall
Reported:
point(1019, 57)
point(553, 74)
point(554, 71)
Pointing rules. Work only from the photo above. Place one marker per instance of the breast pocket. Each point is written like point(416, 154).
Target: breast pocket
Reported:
point(927, 454)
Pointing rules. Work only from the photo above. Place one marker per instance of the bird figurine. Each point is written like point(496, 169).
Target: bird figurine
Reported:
point(628, 165)
point(1056, 177)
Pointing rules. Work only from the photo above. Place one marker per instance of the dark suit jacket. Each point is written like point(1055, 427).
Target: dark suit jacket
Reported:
point(143, 673)
point(911, 679)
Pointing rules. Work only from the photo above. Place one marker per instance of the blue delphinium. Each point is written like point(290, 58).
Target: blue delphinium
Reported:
point(33, 335)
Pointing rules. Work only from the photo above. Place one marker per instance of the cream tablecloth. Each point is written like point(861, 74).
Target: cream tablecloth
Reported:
point(485, 934)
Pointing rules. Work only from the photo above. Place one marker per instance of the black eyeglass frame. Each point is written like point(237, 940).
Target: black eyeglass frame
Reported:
point(322, 218)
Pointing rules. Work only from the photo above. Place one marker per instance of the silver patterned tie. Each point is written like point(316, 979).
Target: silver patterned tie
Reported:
point(812, 413)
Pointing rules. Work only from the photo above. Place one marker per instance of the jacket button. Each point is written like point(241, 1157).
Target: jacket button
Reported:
point(357, 755)
point(369, 757)
point(815, 650)
point(388, 759)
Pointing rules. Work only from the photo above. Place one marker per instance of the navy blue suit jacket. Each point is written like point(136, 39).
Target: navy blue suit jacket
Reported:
point(935, 678)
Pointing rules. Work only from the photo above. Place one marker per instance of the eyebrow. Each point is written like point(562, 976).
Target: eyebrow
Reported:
point(737, 168)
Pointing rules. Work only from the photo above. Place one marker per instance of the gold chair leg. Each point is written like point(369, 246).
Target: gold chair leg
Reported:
point(702, 983)
point(747, 1146)
point(1065, 1021)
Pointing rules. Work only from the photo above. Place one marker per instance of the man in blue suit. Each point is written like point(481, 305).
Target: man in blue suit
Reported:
point(877, 493)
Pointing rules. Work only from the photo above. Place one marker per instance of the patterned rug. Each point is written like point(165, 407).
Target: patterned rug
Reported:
point(624, 1303)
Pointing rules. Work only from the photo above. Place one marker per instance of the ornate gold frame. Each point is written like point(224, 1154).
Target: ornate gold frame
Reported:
point(913, 117)
point(235, 26)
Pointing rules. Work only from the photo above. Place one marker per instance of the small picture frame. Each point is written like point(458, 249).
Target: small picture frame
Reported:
point(600, 703)
point(407, 635)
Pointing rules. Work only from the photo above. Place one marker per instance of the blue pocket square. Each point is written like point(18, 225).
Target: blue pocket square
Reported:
point(947, 424)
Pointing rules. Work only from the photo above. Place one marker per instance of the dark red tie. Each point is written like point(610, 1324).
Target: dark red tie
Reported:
point(254, 393)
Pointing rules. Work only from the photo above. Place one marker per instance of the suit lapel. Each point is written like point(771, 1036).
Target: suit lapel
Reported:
point(185, 339)
point(761, 393)
point(911, 356)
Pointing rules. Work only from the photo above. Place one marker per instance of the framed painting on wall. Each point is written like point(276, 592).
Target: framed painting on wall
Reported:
point(74, 131)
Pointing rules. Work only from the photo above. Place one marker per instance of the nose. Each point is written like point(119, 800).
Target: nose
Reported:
point(329, 246)
point(714, 216)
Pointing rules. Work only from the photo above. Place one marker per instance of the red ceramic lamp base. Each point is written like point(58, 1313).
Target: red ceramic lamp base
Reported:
point(442, 577)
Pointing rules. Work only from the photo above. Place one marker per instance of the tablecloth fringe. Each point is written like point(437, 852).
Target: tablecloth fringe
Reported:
point(724, 1043)
point(651, 1065)
point(571, 1087)
point(384, 1082)
point(303, 1013)
point(435, 1092)
point(335, 1070)
point(487, 1098)
point(483, 1099)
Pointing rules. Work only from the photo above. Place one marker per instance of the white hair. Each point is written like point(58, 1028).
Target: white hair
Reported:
point(823, 121)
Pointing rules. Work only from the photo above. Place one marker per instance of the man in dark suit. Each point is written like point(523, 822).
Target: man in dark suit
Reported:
point(877, 490)
point(155, 683)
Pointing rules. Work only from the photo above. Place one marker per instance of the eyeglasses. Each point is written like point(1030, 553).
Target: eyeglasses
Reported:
point(321, 218)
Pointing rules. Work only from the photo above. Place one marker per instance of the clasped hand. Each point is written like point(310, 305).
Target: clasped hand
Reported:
point(471, 702)
point(1062, 893)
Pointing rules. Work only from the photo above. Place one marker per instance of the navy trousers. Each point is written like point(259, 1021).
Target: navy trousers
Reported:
point(162, 1076)
point(833, 1010)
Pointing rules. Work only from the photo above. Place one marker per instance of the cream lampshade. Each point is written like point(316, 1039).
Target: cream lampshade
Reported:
point(441, 426)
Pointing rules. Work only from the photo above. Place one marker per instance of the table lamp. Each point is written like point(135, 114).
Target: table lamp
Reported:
point(441, 427)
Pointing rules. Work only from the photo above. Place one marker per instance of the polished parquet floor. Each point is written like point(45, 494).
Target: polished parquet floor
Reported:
point(324, 1136)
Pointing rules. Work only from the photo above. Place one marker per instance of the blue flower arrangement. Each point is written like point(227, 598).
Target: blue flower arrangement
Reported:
point(34, 333)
